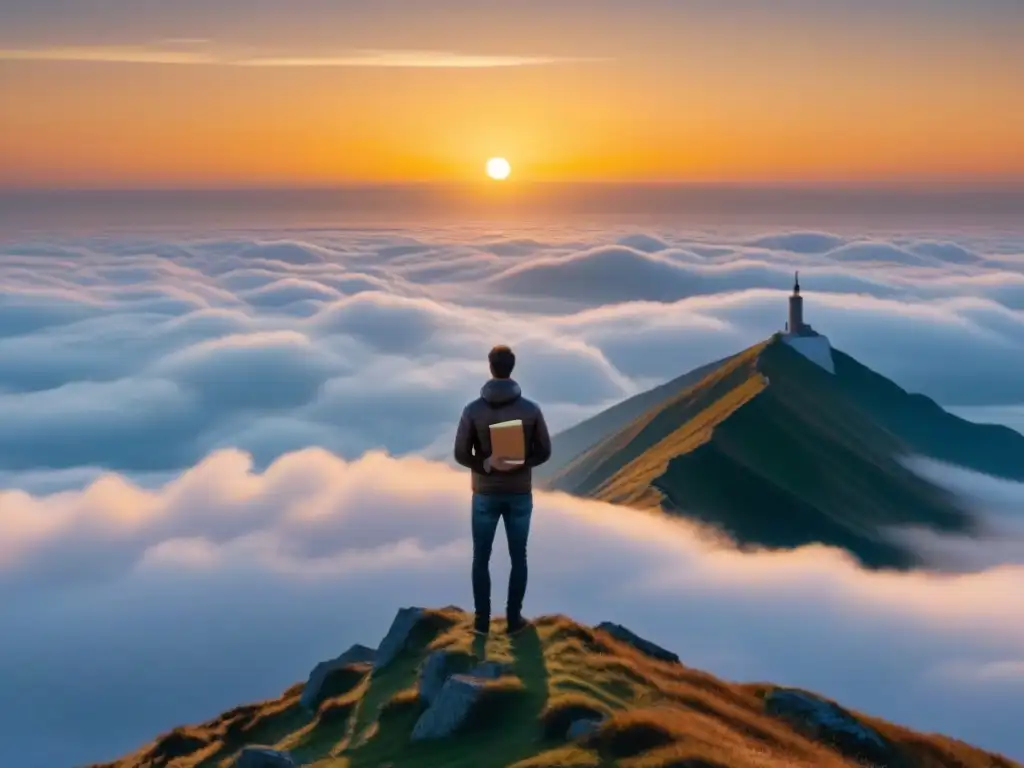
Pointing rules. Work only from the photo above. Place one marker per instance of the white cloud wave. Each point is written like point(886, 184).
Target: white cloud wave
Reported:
point(269, 344)
point(996, 504)
point(127, 360)
point(227, 584)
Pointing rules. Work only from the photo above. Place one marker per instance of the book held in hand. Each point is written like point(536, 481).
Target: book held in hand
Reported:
point(508, 441)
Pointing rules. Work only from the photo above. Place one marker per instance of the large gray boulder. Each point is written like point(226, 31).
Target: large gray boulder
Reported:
point(829, 723)
point(314, 692)
point(397, 637)
point(435, 670)
point(440, 665)
point(451, 707)
point(619, 632)
point(264, 757)
point(451, 697)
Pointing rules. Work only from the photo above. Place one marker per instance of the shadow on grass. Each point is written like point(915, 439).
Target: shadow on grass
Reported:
point(506, 727)
point(479, 647)
point(629, 736)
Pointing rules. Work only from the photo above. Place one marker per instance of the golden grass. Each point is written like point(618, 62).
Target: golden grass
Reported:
point(406, 700)
point(676, 427)
point(561, 757)
point(656, 715)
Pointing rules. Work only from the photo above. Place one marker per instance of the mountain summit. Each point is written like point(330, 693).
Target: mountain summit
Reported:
point(787, 443)
point(434, 695)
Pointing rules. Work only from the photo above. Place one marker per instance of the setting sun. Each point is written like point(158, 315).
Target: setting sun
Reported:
point(498, 168)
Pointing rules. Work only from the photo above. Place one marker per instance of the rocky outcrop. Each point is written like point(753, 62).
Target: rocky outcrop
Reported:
point(450, 696)
point(436, 669)
point(397, 637)
point(338, 670)
point(624, 635)
point(825, 721)
point(318, 686)
point(339, 675)
point(460, 704)
point(451, 708)
point(264, 757)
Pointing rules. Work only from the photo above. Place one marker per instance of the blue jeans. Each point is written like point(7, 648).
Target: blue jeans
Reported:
point(515, 509)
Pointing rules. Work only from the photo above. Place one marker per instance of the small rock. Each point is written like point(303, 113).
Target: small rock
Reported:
point(357, 654)
point(398, 635)
point(264, 757)
point(619, 632)
point(831, 724)
point(450, 709)
point(578, 729)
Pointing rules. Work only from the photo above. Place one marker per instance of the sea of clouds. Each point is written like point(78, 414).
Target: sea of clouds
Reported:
point(171, 545)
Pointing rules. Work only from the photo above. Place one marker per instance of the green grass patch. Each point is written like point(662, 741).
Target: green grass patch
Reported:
point(402, 703)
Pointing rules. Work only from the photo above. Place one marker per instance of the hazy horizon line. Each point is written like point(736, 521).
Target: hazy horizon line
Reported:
point(924, 186)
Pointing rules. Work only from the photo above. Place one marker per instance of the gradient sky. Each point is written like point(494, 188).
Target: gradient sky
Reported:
point(254, 92)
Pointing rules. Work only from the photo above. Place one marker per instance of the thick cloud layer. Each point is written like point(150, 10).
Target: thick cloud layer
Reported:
point(146, 582)
point(995, 502)
point(137, 610)
point(142, 355)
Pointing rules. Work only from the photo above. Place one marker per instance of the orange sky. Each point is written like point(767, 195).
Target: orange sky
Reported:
point(726, 99)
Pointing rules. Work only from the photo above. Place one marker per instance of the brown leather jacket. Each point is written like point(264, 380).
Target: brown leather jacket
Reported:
point(501, 400)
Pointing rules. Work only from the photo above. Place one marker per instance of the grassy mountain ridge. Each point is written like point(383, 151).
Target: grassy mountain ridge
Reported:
point(577, 439)
point(647, 713)
point(621, 467)
point(778, 452)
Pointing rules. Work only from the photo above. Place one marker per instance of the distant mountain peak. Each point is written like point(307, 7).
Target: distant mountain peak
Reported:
point(787, 443)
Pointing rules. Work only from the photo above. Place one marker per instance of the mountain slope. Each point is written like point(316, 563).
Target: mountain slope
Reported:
point(778, 452)
point(926, 428)
point(561, 694)
point(577, 439)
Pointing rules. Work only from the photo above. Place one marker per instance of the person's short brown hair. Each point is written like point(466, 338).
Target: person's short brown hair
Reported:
point(502, 361)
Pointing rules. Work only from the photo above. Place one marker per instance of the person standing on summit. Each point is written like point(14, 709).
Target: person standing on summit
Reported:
point(500, 490)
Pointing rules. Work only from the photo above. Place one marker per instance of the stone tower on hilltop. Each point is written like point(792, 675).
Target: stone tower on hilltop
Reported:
point(796, 308)
point(796, 325)
point(801, 337)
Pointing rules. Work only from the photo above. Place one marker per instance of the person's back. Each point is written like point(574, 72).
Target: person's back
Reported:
point(500, 490)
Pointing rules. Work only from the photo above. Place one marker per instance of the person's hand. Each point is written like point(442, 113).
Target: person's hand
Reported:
point(503, 465)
